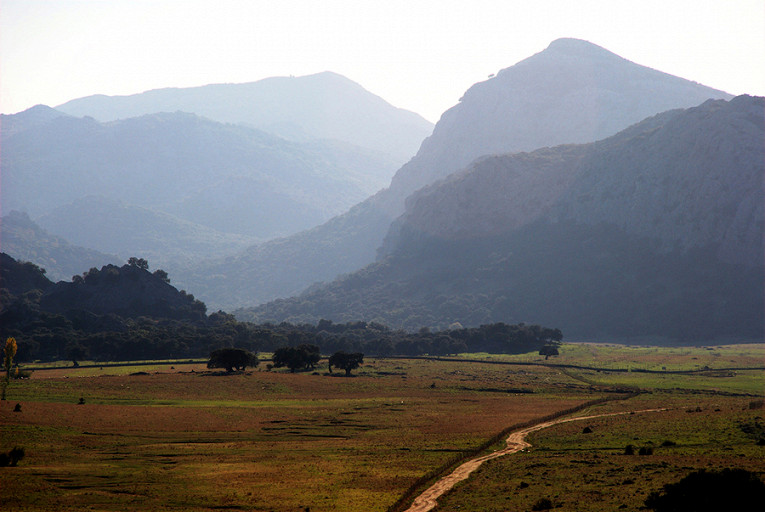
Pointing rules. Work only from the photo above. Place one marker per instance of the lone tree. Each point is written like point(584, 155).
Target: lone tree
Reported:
point(346, 361)
point(548, 350)
point(9, 351)
point(76, 352)
point(702, 491)
point(232, 359)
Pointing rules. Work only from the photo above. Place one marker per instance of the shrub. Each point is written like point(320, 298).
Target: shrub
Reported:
point(707, 491)
point(542, 504)
point(12, 457)
point(645, 450)
point(629, 450)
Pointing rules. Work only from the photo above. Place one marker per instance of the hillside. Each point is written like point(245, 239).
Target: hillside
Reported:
point(23, 239)
point(126, 230)
point(573, 91)
point(654, 233)
point(181, 163)
point(321, 106)
point(117, 312)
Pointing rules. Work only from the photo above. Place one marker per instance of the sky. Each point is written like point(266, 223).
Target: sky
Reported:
point(418, 55)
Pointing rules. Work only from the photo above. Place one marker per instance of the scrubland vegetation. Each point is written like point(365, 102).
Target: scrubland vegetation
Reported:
point(179, 437)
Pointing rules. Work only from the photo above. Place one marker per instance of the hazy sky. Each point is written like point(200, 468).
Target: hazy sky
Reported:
point(418, 55)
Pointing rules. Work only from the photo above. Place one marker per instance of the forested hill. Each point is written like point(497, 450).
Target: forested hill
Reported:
point(129, 313)
point(656, 232)
point(573, 91)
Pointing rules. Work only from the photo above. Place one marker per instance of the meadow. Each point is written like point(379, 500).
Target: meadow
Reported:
point(173, 436)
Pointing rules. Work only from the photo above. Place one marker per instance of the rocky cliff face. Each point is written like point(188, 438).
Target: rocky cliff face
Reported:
point(655, 233)
point(573, 91)
point(682, 179)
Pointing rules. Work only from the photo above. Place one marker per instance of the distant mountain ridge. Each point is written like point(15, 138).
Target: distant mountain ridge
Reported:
point(223, 187)
point(573, 91)
point(320, 106)
point(655, 233)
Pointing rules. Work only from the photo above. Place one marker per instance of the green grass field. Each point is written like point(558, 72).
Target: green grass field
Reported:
point(173, 436)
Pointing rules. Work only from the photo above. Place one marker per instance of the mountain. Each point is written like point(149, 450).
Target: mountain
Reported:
point(23, 239)
point(321, 106)
point(31, 118)
point(656, 232)
point(128, 230)
point(573, 91)
point(166, 161)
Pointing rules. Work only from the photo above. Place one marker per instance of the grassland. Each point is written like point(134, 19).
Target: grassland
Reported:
point(176, 437)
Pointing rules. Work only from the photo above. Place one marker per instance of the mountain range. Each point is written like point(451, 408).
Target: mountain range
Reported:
point(654, 233)
point(178, 188)
point(320, 106)
point(572, 92)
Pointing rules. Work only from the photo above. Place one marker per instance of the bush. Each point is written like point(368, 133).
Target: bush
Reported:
point(542, 504)
point(708, 491)
point(12, 457)
point(645, 450)
point(629, 450)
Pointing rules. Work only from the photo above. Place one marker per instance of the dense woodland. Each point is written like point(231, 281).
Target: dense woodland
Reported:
point(130, 313)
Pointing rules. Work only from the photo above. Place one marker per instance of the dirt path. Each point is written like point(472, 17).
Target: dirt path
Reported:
point(515, 443)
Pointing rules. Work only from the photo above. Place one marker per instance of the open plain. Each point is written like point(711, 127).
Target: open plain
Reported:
point(179, 437)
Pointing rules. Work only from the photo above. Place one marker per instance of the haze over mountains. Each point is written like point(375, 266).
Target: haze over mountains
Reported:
point(575, 189)
point(655, 232)
point(27, 241)
point(320, 106)
point(177, 187)
point(573, 91)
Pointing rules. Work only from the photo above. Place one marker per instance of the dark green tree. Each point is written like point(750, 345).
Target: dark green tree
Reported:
point(162, 275)
point(232, 359)
point(138, 262)
point(548, 350)
point(296, 358)
point(346, 361)
point(76, 352)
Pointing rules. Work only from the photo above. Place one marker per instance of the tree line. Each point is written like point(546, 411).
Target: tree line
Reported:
point(128, 313)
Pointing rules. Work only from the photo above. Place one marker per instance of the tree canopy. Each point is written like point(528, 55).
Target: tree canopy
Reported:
point(302, 357)
point(232, 359)
point(346, 361)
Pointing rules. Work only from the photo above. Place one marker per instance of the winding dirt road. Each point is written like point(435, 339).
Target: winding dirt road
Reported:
point(515, 443)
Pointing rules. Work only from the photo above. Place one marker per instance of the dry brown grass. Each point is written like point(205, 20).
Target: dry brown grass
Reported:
point(261, 440)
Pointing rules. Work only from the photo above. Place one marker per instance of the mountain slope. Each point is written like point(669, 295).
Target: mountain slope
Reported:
point(128, 230)
point(321, 106)
point(24, 240)
point(655, 232)
point(164, 160)
point(573, 91)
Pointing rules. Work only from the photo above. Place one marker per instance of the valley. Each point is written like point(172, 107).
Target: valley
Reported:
point(290, 295)
point(272, 440)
